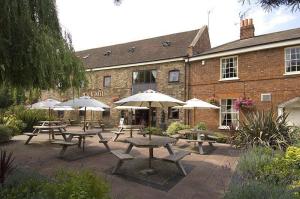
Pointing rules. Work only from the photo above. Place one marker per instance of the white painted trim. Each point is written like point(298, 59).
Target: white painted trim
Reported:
point(136, 64)
point(245, 50)
point(285, 72)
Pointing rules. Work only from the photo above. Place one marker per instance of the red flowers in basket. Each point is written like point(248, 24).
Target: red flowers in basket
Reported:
point(243, 103)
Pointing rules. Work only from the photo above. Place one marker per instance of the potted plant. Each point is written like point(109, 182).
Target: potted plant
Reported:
point(213, 100)
point(243, 104)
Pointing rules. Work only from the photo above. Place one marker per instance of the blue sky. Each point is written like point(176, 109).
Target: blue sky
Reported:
point(96, 23)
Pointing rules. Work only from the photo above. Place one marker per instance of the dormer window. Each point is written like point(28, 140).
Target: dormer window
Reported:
point(107, 53)
point(166, 43)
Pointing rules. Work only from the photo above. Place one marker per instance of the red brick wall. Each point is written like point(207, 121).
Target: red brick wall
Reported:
point(258, 72)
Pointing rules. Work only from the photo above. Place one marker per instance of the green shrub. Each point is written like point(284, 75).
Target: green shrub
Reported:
point(83, 185)
point(201, 126)
point(5, 134)
point(251, 162)
point(14, 124)
point(154, 131)
point(283, 169)
point(29, 117)
point(264, 129)
point(65, 185)
point(175, 127)
point(256, 190)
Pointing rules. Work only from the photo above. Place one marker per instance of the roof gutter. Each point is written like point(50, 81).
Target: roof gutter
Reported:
point(136, 64)
point(245, 50)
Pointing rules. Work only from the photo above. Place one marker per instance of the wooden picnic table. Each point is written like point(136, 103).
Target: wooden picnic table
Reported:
point(89, 123)
point(81, 135)
point(155, 142)
point(50, 129)
point(129, 128)
point(201, 138)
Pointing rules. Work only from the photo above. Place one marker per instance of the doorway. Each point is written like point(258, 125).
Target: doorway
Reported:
point(141, 117)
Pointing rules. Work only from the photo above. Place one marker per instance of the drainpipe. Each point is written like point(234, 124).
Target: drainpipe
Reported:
point(187, 90)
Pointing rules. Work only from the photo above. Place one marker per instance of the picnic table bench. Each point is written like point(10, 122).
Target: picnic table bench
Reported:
point(65, 145)
point(52, 130)
point(175, 158)
point(122, 156)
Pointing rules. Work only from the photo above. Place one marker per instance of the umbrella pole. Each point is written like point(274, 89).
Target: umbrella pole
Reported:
point(49, 113)
point(84, 118)
point(150, 120)
point(194, 116)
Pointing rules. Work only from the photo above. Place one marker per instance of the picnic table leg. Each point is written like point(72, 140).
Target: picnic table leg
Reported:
point(210, 144)
point(83, 143)
point(169, 148)
point(129, 148)
point(63, 150)
point(28, 140)
point(105, 143)
point(181, 168)
point(200, 148)
point(150, 157)
point(52, 132)
point(79, 141)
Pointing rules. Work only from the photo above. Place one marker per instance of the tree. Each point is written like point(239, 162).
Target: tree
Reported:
point(270, 4)
point(34, 53)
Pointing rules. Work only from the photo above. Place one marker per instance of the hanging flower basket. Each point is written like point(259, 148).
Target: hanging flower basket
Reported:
point(243, 104)
point(213, 100)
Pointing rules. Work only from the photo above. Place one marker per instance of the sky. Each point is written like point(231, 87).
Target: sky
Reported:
point(97, 23)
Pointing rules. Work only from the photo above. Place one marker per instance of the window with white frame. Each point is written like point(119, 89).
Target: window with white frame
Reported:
point(228, 114)
point(292, 60)
point(229, 67)
point(174, 76)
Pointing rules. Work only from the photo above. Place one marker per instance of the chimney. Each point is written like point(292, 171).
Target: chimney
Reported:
point(247, 29)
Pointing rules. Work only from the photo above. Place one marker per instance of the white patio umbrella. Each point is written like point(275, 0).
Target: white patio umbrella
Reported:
point(63, 108)
point(45, 104)
point(150, 99)
point(85, 102)
point(194, 104)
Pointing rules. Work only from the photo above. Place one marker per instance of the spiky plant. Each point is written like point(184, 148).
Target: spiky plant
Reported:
point(264, 128)
point(6, 165)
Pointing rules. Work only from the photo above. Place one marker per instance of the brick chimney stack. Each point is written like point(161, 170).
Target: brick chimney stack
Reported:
point(247, 29)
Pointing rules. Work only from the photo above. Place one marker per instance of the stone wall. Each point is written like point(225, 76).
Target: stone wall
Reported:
point(121, 85)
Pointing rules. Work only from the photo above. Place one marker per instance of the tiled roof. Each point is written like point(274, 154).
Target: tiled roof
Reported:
point(153, 49)
point(255, 41)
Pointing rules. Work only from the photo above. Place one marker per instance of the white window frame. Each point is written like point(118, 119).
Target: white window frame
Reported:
point(237, 69)
point(220, 115)
point(285, 66)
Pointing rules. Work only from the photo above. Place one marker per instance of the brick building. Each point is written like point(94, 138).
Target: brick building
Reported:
point(265, 68)
point(118, 71)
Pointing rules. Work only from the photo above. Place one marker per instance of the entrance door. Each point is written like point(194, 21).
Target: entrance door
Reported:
point(141, 117)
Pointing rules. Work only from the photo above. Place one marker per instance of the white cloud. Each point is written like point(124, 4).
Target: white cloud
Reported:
point(95, 23)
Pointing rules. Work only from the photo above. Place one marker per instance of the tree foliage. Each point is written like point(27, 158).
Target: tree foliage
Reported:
point(270, 4)
point(34, 53)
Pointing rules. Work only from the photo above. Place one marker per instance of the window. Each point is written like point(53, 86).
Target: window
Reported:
point(173, 113)
point(144, 77)
point(60, 114)
point(106, 113)
point(292, 60)
point(228, 115)
point(174, 76)
point(107, 81)
point(229, 68)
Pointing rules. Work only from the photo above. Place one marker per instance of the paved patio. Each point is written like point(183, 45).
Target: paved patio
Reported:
point(208, 175)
